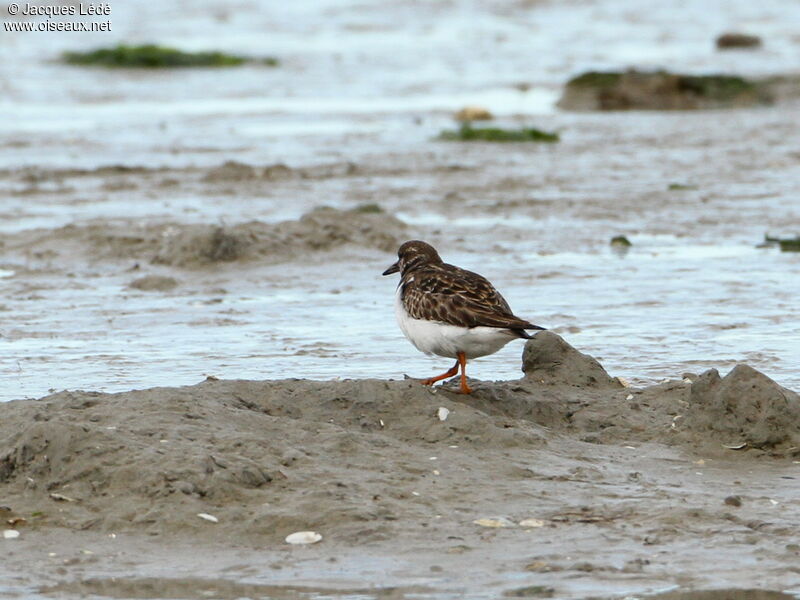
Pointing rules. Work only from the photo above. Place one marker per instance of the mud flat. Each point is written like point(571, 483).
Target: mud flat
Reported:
point(201, 245)
point(580, 486)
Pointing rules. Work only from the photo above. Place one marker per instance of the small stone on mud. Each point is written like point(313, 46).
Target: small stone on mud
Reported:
point(442, 413)
point(733, 500)
point(473, 113)
point(10, 534)
point(730, 40)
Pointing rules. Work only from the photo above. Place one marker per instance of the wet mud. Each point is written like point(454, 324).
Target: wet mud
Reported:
point(197, 246)
point(564, 477)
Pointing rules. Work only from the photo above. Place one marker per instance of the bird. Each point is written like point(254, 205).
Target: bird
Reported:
point(451, 312)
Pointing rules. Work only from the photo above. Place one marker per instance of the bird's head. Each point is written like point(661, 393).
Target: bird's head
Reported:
point(413, 254)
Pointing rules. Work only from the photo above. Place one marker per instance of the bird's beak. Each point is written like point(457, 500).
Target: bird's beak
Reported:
point(393, 269)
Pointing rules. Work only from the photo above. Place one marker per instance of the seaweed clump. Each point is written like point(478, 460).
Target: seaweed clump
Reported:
point(620, 241)
point(785, 244)
point(152, 56)
point(468, 133)
point(660, 90)
point(369, 209)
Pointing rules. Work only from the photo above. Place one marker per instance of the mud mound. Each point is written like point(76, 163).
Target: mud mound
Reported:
point(547, 358)
point(744, 407)
point(236, 171)
point(320, 229)
point(154, 283)
point(661, 90)
point(263, 457)
point(202, 244)
point(351, 457)
point(197, 245)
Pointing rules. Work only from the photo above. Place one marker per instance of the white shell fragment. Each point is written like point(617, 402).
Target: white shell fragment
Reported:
point(624, 382)
point(531, 523)
point(61, 497)
point(208, 517)
point(10, 534)
point(741, 446)
point(494, 522)
point(303, 537)
point(442, 413)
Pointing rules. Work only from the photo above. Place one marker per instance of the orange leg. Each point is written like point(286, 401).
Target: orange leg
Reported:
point(462, 360)
point(433, 380)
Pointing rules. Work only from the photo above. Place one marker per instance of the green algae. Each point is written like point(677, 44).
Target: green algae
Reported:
point(620, 241)
point(152, 56)
point(468, 133)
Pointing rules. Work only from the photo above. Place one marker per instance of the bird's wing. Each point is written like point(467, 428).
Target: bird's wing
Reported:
point(458, 297)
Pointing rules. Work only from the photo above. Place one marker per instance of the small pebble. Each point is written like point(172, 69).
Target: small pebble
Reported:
point(733, 500)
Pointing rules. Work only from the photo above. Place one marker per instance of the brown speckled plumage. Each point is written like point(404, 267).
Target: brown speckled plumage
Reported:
point(436, 291)
point(452, 312)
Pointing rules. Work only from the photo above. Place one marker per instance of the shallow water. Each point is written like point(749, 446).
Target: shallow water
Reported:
point(372, 83)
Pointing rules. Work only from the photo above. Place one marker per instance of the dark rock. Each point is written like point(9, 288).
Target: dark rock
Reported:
point(733, 501)
point(730, 40)
point(548, 358)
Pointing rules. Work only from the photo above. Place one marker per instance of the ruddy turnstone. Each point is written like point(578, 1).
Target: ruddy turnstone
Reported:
point(448, 311)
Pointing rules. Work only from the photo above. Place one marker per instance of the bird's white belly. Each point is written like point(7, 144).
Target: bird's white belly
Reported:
point(441, 339)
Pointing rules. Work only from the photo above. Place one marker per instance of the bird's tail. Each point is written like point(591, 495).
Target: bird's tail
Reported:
point(520, 332)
